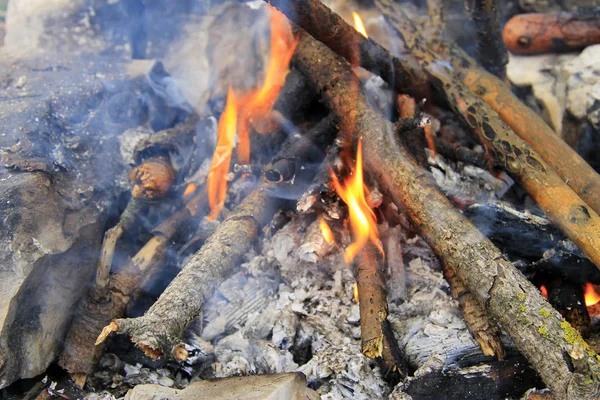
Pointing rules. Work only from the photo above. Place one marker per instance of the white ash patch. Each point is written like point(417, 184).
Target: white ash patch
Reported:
point(299, 315)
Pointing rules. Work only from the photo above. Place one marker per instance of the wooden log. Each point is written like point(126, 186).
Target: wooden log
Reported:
point(550, 344)
point(491, 50)
point(563, 206)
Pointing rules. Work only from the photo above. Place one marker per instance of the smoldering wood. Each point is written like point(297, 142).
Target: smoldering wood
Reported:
point(540, 333)
point(160, 329)
point(563, 206)
point(548, 251)
point(328, 27)
point(302, 148)
point(491, 51)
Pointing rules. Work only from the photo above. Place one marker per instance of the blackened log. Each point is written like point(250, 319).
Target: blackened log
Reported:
point(551, 345)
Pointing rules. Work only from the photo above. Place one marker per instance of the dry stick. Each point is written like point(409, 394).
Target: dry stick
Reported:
point(107, 302)
point(318, 20)
point(573, 169)
point(556, 350)
point(568, 299)
point(377, 342)
point(563, 206)
point(482, 327)
point(160, 329)
point(491, 50)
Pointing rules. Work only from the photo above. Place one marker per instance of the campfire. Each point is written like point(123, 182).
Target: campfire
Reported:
point(300, 200)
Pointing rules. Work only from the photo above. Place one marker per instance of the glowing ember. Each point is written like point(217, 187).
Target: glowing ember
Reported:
point(358, 24)
point(191, 188)
point(257, 104)
point(591, 296)
point(355, 292)
point(326, 231)
point(544, 291)
point(362, 217)
point(217, 175)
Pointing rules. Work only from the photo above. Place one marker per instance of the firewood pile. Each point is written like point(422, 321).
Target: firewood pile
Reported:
point(266, 200)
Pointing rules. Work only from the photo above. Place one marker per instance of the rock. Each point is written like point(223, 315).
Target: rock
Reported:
point(290, 386)
point(61, 173)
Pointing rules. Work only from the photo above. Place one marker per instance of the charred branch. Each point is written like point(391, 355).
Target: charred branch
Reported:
point(542, 335)
point(491, 50)
point(564, 207)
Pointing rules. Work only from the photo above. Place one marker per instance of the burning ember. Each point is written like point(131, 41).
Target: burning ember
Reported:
point(326, 231)
point(591, 296)
point(248, 109)
point(362, 218)
point(358, 24)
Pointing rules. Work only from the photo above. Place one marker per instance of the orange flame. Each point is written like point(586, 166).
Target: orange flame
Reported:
point(257, 104)
point(362, 217)
point(358, 24)
point(591, 296)
point(326, 231)
point(189, 189)
point(355, 292)
point(219, 167)
point(544, 291)
point(243, 110)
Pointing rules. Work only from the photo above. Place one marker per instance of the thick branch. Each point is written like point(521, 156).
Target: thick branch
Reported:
point(548, 342)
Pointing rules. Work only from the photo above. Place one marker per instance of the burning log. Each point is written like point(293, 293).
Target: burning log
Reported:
point(564, 207)
point(318, 20)
point(327, 27)
point(551, 345)
point(488, 38)
point(538, 33)
point(484, 329)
